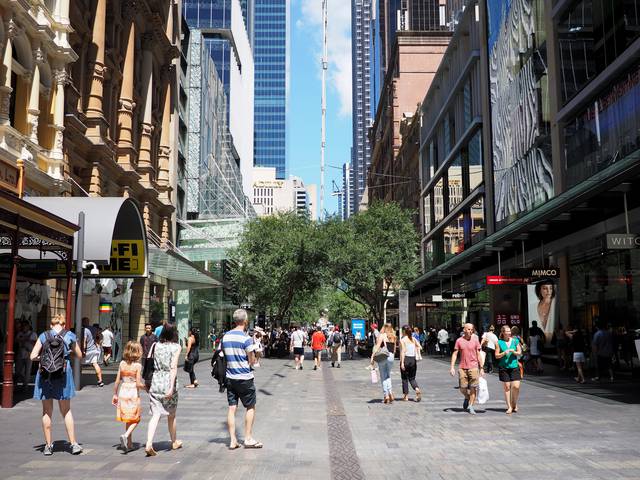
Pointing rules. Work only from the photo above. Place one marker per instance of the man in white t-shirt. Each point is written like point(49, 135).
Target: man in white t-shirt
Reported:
point(443, 341)
point(298, 340)
point(107, 344)
point(489, 341)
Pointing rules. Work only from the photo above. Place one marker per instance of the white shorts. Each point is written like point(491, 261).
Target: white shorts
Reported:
point(91, 357)
point(578, 357)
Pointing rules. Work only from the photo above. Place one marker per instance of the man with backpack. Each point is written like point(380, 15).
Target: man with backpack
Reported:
point(337, 340)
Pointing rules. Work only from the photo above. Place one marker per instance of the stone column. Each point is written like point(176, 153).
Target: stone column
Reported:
point(34, 96)
point(95, 185)
point(165, 231)
point(61, 77)
point(145, 164)
point(146, 215)
point(164, 151)
point(7, 59)
point(94, 109)
point(126, 104)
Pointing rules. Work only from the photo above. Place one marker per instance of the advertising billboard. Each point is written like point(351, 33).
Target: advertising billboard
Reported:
point(518, 82)
point(543, 306)
point(358, 328)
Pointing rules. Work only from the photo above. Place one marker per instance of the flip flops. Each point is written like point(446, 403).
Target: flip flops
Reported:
point(253, 445)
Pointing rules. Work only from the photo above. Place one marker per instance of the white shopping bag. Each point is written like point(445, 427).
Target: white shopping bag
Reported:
point(483, 391)
point(374, 375)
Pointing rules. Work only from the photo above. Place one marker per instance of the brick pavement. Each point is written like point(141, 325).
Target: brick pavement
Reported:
point(557, 434)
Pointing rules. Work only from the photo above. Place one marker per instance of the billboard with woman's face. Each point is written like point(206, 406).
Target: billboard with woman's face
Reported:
point(543, 306)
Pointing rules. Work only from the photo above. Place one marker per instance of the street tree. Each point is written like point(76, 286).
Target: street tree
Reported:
point(372, 253)
point(278, 259)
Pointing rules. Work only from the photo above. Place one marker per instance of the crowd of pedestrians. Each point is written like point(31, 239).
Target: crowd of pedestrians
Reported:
point(151, 364)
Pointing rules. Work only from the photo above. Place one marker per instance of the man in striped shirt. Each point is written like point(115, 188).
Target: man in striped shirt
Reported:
point(238, 349)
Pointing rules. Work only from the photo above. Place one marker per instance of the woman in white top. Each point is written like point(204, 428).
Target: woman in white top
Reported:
point(409, 350)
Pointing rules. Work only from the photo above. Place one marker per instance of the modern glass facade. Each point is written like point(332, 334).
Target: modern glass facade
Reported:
point(271, 57)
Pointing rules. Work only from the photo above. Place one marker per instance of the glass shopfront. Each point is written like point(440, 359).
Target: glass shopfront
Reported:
point(605, 285)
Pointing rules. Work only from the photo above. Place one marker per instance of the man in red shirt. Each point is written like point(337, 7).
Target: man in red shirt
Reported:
point(470, 370)
point(318, 342)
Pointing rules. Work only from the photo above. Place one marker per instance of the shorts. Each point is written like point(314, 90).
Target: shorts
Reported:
point(91, 357)
point(578, 357)
point(468, 377)
point(298, 350)
point(317, 354)
point(106, 350)
point(509, 374)
point(245, 390)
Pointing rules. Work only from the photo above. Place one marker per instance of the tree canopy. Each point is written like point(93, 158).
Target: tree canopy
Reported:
point(289, 266)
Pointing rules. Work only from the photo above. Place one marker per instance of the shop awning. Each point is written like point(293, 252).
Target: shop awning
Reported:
point(114, 233)
point(181, 273)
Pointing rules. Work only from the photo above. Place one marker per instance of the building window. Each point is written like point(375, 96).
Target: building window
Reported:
point(438, 202)
point(477, 221)
point(592, 35)
point(474, 150)
point(454, 180)
point(453, 236)
point(606, 131)
point(467, 104)
point(427, 213)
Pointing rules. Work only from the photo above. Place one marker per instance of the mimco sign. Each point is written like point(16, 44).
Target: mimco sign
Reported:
point(622, 241)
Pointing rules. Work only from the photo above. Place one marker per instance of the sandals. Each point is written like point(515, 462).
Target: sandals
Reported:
point(234, 447)
point(418, 396)
point(150, 452)
point(176, 445)
point(253, 445)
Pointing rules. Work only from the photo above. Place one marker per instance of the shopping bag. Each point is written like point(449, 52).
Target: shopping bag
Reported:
point(374, 375)
point(483, 391)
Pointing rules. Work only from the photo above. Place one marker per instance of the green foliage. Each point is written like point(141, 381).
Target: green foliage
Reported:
point(279, 260)
point(372, 253)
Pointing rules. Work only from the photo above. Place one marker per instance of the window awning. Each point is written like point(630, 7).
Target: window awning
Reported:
point(180, 272)
point(115, 237)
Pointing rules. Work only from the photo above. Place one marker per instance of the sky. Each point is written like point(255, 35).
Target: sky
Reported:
point(305, 94)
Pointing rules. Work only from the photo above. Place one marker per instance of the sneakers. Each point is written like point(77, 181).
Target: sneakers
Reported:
point(76, 449)
point(315, 367)
point(465, 404)
point(338, 365)
point(123, 442)
point(333, 364)
point(47, 450)
point(471, 411)
point(300, 367)
point(101, 384)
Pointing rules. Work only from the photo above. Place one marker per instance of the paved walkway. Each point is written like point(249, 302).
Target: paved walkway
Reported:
point(332, 425)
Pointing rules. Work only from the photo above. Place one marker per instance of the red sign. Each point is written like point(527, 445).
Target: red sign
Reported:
point(500, 280)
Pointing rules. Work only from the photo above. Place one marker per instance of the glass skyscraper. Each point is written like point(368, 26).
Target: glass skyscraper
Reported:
point(363, 95)
point(271, 58)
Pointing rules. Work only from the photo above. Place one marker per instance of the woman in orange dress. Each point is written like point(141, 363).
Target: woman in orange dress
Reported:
point(127, 398)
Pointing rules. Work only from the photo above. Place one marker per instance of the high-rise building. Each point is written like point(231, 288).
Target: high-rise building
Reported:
point(362, 13)
point(226, 37)
point(272, 195)
point(346, 200)
point(271, 57)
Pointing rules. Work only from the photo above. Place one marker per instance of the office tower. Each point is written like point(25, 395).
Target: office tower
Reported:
point(271, 57)
point(361, 60)
point(225, 36)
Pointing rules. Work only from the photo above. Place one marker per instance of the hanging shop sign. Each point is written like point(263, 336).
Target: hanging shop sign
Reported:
point(458, 295)
point(127, 259)
point(622, 241)
point(502, 280)
point(536, 273)
point(105, 307)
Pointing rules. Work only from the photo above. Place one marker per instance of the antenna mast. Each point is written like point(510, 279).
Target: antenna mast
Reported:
point(325, 61)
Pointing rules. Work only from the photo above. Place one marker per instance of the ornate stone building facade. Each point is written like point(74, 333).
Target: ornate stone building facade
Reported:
point(120, 134)
point(120, 103)
point(35, 59)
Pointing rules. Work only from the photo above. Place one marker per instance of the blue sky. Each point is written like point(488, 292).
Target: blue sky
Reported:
point(305, 94)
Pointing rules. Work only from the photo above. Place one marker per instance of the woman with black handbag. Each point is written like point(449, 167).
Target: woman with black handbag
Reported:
point(192, 356)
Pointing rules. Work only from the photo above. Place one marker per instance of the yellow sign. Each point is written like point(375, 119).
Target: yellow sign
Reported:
point(127, 259)
point(268, 184)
